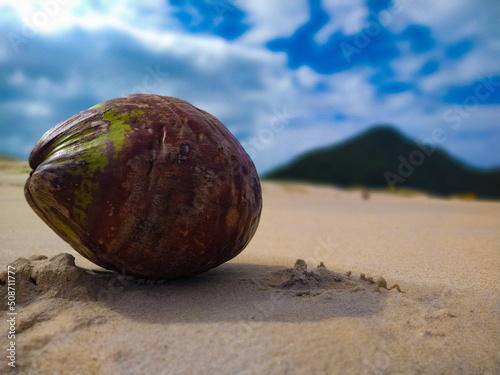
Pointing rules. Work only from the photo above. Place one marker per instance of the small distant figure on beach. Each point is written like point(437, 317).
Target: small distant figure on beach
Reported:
point(365, 194)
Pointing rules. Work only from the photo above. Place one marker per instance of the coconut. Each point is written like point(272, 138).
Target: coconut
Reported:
point(146, 185)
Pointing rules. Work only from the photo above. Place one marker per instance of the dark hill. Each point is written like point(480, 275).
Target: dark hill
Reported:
point(383, 158)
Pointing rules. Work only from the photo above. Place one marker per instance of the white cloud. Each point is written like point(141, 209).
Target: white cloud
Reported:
point(348, 17)
point(271, 19)
point(18, 78)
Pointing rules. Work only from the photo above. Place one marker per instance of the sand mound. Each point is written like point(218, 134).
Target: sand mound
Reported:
point(55, 290)
point(41, 277)
point(315, 281)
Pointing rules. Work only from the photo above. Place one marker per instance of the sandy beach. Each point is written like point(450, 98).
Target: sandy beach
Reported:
point(264, 312)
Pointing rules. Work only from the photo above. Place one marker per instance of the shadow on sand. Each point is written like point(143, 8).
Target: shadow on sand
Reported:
point(231, 292)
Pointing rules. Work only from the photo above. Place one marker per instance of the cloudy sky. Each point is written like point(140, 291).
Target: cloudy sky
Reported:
point(284, 76)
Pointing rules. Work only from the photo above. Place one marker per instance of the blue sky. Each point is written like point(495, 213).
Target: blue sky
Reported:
point(285, 76)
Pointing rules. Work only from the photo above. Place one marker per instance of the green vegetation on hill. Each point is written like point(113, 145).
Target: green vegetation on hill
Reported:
point(7, 158)
point(383, 158)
